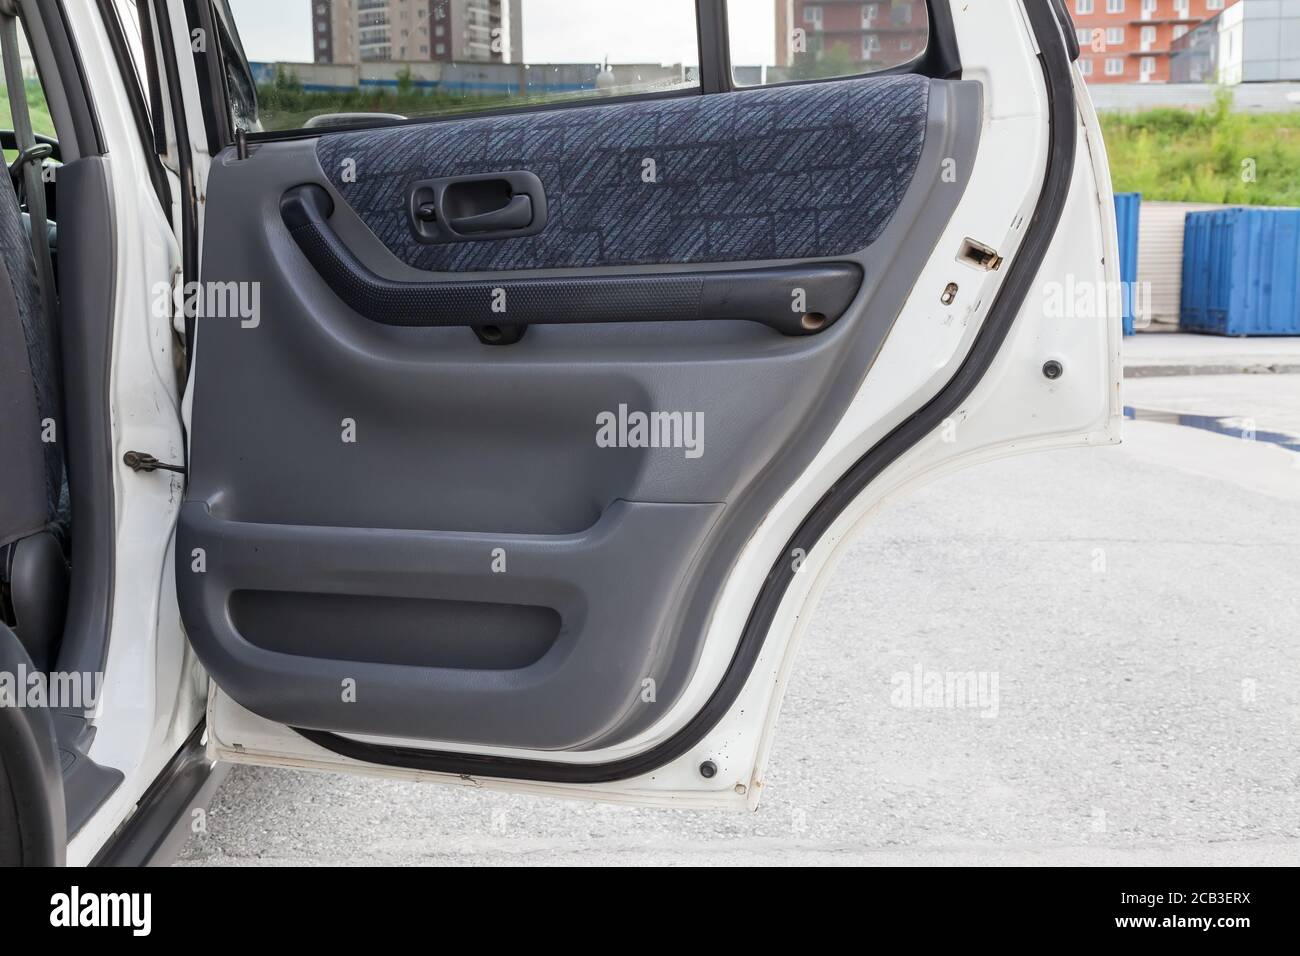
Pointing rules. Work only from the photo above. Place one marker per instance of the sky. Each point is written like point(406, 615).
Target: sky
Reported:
point(555, 31)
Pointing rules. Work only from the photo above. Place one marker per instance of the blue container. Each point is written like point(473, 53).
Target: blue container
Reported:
point(1241, 272)
point(1128, 207)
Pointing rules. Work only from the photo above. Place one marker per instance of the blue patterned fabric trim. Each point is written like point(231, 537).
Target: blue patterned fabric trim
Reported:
point(791, 172)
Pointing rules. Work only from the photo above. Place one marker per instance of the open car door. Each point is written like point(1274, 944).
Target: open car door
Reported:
point(548, 424)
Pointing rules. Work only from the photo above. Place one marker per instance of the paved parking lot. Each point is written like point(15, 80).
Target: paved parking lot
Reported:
point(1138, 606)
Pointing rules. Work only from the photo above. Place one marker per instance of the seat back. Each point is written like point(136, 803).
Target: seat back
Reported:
point(32, 474)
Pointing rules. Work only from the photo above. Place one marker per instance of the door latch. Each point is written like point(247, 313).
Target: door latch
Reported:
point(139, 461)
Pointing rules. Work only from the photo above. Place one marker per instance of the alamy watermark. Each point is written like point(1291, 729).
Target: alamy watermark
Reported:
point(60, 690)
point(210, 300)
point(78, 908)
point(1089, 299)
point(634, 429)
point(946, 690)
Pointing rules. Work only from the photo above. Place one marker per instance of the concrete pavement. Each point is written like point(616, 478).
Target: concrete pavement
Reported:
point(1246, 97)
point(1183, 353)
point(1140, 607)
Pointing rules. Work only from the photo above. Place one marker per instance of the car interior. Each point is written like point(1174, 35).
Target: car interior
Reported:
point(391, 475)
point(56, 311)
point(35, 513)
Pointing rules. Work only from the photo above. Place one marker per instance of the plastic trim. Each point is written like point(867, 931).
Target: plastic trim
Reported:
point(759, 295)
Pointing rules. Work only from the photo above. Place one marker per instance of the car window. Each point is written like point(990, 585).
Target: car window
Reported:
point(778, 41)
point(39, 110)
point(315, 63)
point(128, 18)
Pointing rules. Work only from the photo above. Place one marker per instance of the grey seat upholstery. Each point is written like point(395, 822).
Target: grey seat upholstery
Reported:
point(33, 493)
point(32, 477)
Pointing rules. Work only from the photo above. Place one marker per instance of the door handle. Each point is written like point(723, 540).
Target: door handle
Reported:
point(505, 205)
point(516, 214)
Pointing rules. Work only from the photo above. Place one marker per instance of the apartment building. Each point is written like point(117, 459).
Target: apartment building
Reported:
point(440, 31)
point(876, 31)
point(1129, 41)
point(1253, 41)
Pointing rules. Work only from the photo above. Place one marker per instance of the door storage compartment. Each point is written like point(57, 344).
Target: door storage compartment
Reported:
point(465, 635)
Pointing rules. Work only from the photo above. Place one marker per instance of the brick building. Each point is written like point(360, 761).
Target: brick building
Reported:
point(883, 32)
point(412, 31)
point(1128, 41)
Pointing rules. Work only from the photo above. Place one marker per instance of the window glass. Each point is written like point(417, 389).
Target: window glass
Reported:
point(321, 62)
point(37, 108)
point(128, 18)
point(776, 41)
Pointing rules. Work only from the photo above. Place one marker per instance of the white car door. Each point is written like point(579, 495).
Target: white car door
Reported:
point(526, 452)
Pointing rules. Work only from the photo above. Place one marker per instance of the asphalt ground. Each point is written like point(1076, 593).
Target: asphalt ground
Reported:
point(1138, 608)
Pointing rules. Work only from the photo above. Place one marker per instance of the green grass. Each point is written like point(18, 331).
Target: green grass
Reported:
point(284, 104)
point(1206, 155)
point(278, 111)
point(36, 106)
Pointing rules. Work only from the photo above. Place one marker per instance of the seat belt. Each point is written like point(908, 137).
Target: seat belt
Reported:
point(30, 158)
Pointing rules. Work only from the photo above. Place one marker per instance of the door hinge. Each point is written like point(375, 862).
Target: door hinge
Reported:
point(142, 461)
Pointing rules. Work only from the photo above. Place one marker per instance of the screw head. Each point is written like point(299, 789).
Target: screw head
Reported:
point(1053, 369)
point(708, 770)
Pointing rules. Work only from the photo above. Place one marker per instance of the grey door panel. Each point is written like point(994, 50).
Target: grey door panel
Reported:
point(613, 587)
point(372, 560)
